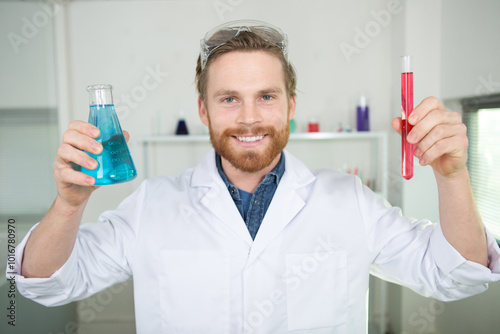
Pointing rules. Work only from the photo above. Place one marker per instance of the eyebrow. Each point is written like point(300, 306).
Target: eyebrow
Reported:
point(266, 91)
point(271, 90)
point(223, 92)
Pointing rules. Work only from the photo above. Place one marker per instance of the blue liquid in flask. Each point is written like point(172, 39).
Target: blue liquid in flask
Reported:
point(115, 165)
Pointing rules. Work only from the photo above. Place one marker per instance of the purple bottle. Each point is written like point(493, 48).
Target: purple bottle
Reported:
point(363, 115)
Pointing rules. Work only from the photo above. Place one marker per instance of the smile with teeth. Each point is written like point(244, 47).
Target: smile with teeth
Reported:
point(249, 139)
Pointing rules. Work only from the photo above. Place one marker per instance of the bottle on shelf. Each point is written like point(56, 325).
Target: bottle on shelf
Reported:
point(181, 125)
point(363, 115)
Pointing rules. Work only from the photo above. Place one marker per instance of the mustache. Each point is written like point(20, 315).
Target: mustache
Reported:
point(254, 130)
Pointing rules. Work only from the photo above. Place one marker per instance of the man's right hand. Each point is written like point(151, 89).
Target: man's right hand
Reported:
point(75, 187)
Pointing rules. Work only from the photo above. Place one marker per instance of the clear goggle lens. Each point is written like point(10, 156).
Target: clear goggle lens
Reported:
point(227, 31)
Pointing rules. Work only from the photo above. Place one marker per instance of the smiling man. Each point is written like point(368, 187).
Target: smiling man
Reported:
point(251, 241)
point(248, 122)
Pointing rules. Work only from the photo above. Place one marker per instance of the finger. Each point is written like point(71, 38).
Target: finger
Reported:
point(426, 106)
point(68, 175)
point(451, 146)
point(85, 128)
point(126, 135)
point(82, 141)
point(67, 154)
point(457, 132)
point(396, 124)
point(430, 121)
point(441, 132)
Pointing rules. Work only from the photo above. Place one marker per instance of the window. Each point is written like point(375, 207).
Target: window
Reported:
point(482, 117)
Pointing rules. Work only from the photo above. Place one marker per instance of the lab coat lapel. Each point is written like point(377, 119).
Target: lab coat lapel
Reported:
point(285, 205)
point(217, 199)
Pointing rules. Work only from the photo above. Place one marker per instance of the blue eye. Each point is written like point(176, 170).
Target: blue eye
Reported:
point(229, 99)
point(267, 97)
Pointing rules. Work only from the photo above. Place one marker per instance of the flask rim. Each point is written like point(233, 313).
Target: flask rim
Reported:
point(99, 86)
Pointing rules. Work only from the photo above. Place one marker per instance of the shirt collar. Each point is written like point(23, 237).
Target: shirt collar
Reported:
point(273, 176)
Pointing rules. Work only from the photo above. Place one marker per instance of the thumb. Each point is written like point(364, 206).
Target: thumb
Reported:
point(396, 124)
point(126, 135)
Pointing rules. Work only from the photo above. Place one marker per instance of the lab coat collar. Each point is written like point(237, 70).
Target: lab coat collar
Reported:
point(217, 198)
point(288, 200)
point(205, 174)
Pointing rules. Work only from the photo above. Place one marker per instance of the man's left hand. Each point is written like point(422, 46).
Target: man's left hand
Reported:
point(439, 137)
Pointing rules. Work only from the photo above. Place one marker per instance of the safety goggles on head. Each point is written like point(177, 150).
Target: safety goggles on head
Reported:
point(227, 31)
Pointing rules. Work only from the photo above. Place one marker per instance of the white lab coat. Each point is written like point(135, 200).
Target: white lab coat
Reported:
point(197, 270)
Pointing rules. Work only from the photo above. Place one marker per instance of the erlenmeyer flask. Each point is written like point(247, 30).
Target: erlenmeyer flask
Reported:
point(115, 162)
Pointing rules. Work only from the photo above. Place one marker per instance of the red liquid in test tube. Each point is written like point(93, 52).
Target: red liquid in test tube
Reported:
point(406, 109)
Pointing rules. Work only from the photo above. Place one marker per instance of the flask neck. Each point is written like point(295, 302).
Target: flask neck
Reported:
point(100, 95)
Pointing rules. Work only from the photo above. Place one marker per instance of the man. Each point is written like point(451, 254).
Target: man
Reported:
point(251, 241)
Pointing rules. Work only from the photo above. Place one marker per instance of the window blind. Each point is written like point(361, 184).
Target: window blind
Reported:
point(482, 117)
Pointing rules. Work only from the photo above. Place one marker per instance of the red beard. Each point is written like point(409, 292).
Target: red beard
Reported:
point(248, 160)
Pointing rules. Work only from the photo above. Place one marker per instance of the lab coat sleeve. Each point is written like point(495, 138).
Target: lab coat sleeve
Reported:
point(101, 257)
point(415, 253)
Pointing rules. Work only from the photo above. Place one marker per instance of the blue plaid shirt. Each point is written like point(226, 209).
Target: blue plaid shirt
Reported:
point(253, 207)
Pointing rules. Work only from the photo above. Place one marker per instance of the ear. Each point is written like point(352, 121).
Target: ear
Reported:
point(292, 107)
point(202, 111)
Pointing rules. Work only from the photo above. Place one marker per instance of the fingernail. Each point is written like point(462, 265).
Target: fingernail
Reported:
point(94, 132)
point(92, 164)
point(89, 180)
point(418, 153)
point(412, 119)
point(96, 147)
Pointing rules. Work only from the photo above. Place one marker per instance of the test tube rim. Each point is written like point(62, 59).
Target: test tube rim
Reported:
point(406, 64)
point(99, 86)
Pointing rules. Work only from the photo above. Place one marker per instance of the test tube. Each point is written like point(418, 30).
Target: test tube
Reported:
point(406, 109)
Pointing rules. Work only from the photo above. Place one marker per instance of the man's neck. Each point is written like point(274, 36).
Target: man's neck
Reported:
point(247, 181)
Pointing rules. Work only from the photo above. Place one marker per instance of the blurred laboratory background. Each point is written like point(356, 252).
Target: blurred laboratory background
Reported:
point(346, 54)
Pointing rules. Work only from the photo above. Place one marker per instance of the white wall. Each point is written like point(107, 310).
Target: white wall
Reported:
point(458, 41)
point(26, 56)
point(471, 48)
point(28, 126)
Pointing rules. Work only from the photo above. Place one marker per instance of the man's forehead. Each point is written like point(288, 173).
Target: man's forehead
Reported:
point(258, 70)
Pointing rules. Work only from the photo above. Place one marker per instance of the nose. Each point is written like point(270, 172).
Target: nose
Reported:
point(249, 114)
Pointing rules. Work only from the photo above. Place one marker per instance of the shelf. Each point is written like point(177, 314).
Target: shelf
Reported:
point(28, 116)
point(379, 151)
point(173, 139)
point(293, 137)
point(337, 135)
